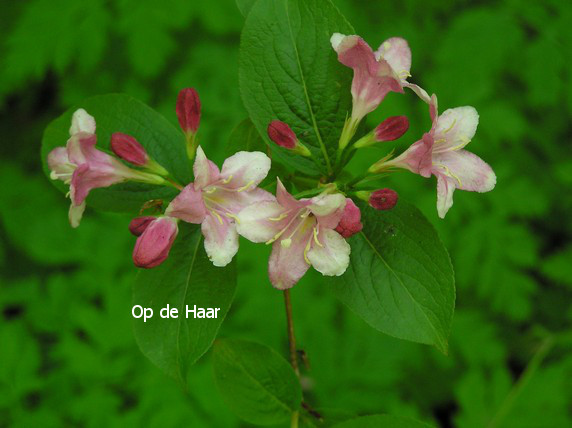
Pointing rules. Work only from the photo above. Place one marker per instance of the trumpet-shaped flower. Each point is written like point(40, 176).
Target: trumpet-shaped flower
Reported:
point(216, 196)
point(375, 73)
point(302, 233)
point(83, 167)
point(441, 153)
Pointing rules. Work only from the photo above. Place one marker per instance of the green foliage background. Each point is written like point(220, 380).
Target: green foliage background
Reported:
point(67, 352)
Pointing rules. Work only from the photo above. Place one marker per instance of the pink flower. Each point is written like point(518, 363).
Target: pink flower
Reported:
point(441, 153)
point(375, 73)
point(154, 244)
point(84, 167)
point(216, 197)
point(302, 233)
point(350, 223)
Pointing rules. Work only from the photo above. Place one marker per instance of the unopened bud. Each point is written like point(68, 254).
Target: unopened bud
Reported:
point(154, 244)
point(390, 129)
point(383, 199)
point(129, 149)
point(189, 110)
point(139, 224)
point(282, 135)
point(350, 223)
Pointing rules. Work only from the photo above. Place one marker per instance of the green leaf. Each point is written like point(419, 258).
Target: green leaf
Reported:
point(122, 113)
point(400, 279)
point(384, 421)
point(187, 277)
point(244, 6)
point(289, 71)
point(255, 381)
point(244, 137)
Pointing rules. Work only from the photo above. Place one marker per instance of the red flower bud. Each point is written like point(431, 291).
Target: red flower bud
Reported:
point(129, 149)
point(350, 223)
point(139, 224)
point(189, 110)
point(282, 134)
point(154, 244)
point(383, 199)
point(391, 128)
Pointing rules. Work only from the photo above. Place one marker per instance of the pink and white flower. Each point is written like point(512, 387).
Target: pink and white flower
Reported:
point(84, 167)
point(375, 73)
point(302, 232)
point(216, 196)
point(441, 153)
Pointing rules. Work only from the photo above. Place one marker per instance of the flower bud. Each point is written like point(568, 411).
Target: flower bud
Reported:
point(139, 224)
point(154, 244)
point(282, 135)
point(129, 149)
point(383, 199)
point(391, 128)
point(350, 223)
point(189, 110)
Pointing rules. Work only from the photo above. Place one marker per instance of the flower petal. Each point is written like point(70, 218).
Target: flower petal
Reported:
point(468, 171)
point(287, 263)
point(262, 221)
point(445, 189)
point(288, 201)
point(59, 164)
point(417, 158)
point(245, 170)
point(154, 244)
point(221, 239)
point(329, 209)
point(456, 126)
point(82, 121)
point(397, 53)
point(332, 257)
point(419, 91)
point(188, 205)
point(205, 171)
point(84, 179)
point(76, 213)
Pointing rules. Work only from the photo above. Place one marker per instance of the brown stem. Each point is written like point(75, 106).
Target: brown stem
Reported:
point(291, 337)
point(174, 184)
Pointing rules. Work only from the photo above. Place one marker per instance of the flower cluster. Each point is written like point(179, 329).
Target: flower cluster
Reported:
point(440, 152)
point(230, 201)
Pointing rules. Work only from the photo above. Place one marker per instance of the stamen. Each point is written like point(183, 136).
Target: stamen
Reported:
point(227, 180)
point(404, 74)
point(316, 237)
point(210, 190)
point(243, 188)
point(280, 217)
point(450, 127)
point(285, 243)
point(217, 216)
point(448, 172)
point(232, 216)
point(306, 251)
